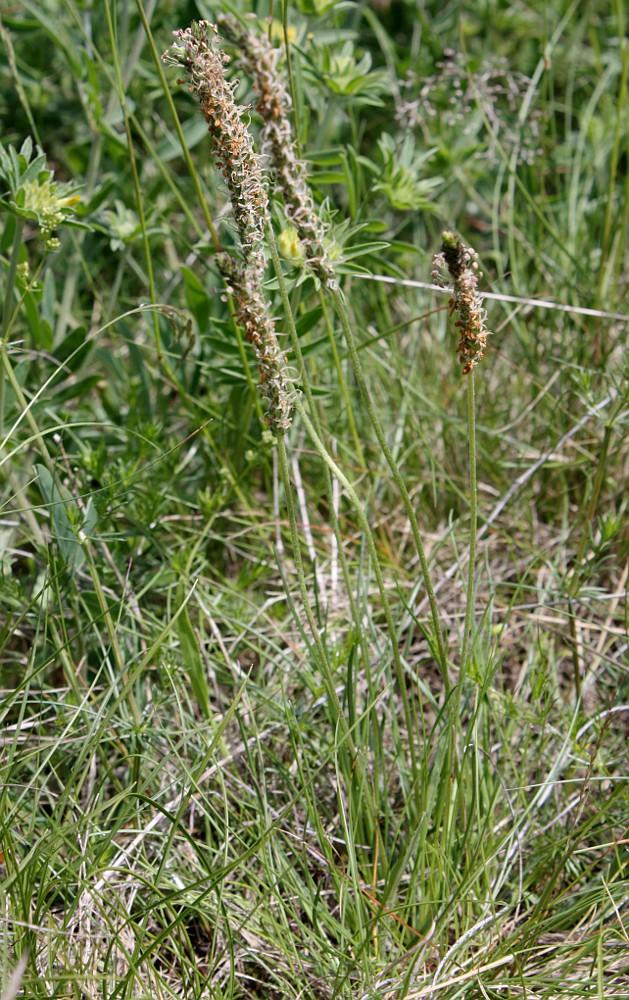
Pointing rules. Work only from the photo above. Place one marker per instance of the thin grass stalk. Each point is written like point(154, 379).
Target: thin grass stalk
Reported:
point(180, 135)
point(469, 600)
point(613, 164)
point(7, 307)
point(291, 77)
point(343, 315)
point(139, 201)
point(342, 382)
point(7, 369)
point(305, 381)
point(322, 655)
point(579, 567)
point(386, 607)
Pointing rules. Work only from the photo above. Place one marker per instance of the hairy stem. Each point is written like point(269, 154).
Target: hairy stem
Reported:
point(469, 604)
point(398, 479)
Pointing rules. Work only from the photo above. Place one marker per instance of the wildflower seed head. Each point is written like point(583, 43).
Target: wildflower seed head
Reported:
point(259, 58)
point(456, 267)
point(276, 382)
point(196, 49)
point(453, 94)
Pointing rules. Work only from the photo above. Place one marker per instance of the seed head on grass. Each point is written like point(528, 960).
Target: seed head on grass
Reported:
point(456, 267)
point(259, 58)
point(276, 382)
point(196, 49)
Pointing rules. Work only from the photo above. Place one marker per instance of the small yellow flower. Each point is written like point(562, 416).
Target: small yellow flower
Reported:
point(70, 201)
point(289, 244)
point(277, 32)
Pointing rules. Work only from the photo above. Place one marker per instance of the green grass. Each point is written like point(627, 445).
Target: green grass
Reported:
point(243, 752)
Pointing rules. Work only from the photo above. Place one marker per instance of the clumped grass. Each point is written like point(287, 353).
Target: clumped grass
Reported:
point(318, 691)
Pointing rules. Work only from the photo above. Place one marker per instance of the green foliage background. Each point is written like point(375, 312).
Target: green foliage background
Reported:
point(180, 813)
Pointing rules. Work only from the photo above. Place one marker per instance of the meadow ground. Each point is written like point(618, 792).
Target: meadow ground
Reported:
point(314, 658)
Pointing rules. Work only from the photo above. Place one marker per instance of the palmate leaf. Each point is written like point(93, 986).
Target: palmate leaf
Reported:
point(402, 177)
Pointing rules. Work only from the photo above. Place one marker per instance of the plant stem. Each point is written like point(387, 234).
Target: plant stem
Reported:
point(324, 664)
point(356, 617)
point(7, 305)
point(469, 604)
point(291, 78)
point(399, 481)
point(343, 384)
point(586, 523)
point(586, 534)
point(386, 607)
point(303, 374)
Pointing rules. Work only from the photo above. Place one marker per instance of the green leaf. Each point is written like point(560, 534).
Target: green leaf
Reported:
point(225, 348)
point(73, 349)
point(363, 248)
point(308, 321)
point(324, 157)
point(77, 388)
point(328, 177)
point(197, 298)
point(193, 662)
point(63, 512)
point(42, 335)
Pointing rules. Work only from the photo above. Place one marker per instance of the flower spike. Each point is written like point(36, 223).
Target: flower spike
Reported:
point(259, 58)
point(456, 267)
point(196, 49)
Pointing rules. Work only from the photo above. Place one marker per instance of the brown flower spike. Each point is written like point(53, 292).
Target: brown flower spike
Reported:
point(196, 49)
point(456, 267)
point(259, 58)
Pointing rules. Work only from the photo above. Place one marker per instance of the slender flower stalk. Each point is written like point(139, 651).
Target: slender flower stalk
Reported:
point(196, 49)
point(471, 562)
point(456, 266)
point(259, 58)
point(314, 430)
point(363, 388)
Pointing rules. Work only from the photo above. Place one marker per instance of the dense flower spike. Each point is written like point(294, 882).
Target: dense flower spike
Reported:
point(196, 49)
point(260, 60)
point(276, 383)
point(456, 266)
